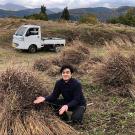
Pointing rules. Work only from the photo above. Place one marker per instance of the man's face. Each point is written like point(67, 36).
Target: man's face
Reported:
point(66, 74)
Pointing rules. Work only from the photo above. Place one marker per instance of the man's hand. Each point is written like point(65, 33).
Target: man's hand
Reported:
point(39, 100)
point(63, 109)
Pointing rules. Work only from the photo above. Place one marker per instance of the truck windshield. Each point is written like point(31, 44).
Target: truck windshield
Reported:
point(20, 31)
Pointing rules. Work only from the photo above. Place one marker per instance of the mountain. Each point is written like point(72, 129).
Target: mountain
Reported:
point(55, 10)
point(21, 13)
point(102, 13)
point(12, 7)
point(26, 12)
point(123, 8)
point(5, 13)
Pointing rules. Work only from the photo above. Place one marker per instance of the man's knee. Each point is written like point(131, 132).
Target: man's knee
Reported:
point(77, 115)
point(76, 118)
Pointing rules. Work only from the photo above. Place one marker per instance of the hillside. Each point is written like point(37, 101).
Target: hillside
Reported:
point(21, 13)
point(12, 7)
point(111, 109)
point(94, 35)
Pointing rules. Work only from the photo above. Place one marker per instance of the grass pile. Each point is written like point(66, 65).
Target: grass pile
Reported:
point(74, 55)
point(18, 115)
point(97, 59)
point(48, 66)
point(132, 62)
point(87, 66)
point(114, 74)
point(42, 64)
point(53, 70)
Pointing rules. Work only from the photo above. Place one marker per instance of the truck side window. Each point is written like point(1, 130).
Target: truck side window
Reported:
point(32, 31)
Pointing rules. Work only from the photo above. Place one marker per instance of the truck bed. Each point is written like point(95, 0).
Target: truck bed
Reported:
point(53, 40)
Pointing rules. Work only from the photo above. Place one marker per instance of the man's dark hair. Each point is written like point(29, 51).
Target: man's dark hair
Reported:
point(67, 67)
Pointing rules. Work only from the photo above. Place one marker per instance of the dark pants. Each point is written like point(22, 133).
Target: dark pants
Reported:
point(77, 112)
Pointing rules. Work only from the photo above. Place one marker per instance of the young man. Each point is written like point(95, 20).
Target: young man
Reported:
point(73, 99)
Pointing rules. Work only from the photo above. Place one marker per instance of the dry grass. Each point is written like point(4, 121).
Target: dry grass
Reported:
point(50, 67)
point(95, 35)
point(113, 72)
point(81, 47)
point(75, 54)
point(97, 59)
point(132, 62)
point(106, 114)
point(19, 115)
point(53, 71)
point(23, 92)
point(42, 64)
point(72, 57)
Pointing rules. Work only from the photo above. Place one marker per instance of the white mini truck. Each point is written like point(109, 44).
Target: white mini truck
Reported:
point(28, 37)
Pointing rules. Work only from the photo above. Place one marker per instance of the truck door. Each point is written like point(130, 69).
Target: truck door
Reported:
point(33, 37)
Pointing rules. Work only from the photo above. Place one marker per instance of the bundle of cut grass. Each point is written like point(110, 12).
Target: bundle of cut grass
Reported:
point(74, 54)
point(97, 59)
point(82, 48)
point(24, 85)
point(42, 64)
point(53, 70)
point(56, 61)
point(85, 67)
point(35, 123)
point(132, 62)
point(114, 72)
point(18, 115)
point(50, 67)
point(73, 57)
point(123, 91)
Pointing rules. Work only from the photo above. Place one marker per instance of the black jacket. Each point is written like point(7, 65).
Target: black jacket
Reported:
point(71, 92)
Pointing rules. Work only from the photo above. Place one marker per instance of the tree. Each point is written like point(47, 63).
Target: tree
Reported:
point(65, 14)
point(41, 16)
point(88, 18)
point(127, 19)
point(43, 9)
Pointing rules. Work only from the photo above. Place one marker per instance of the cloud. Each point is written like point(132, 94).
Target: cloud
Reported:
point(26, 3)
point(71, 3)
point(90, 3)
point(115, 3)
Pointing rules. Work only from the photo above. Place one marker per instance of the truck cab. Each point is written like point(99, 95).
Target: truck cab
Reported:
point(28, 37)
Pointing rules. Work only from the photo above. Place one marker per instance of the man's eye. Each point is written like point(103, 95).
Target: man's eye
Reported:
point(67, 72)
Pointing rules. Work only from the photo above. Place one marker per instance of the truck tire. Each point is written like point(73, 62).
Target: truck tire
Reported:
point(57, 49)
point(32, 49)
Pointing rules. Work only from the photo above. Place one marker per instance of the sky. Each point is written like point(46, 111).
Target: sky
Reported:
point(71, 3)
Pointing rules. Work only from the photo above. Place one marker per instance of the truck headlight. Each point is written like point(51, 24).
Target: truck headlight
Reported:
point(21, 38)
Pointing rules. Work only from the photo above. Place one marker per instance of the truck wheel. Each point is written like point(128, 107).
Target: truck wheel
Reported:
point(32, 49)
point(57, 49)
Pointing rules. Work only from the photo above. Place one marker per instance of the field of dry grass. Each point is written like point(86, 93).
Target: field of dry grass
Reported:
point(109, 114)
